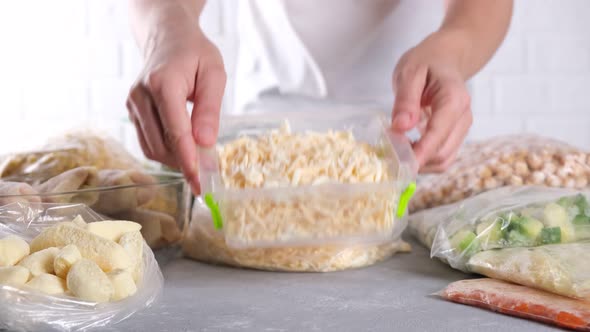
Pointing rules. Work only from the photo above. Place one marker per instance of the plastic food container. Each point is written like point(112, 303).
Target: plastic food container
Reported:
point(321, 214)
point(161, 207)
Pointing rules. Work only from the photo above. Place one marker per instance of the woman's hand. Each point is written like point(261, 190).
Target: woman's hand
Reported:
point(181, 65)
point(431, 95)
point(429, 80)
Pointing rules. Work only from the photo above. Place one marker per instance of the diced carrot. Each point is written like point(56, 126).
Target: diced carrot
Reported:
point(521, 301)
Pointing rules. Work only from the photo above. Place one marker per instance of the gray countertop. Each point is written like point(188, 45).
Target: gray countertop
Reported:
point(390, 296)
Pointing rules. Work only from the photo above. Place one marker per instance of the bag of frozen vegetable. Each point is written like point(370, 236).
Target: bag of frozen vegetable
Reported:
point(533, 236)
point(424, 224)
point(514, 160)
point(519, 301)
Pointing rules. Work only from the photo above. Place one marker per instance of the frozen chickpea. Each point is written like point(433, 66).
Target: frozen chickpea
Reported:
point(534, 161)
point(503, 172)
point(425, 196)
point(580, 157)
point(491, 161)
point(490, 183)
point(549, 168)
point(460, 182)
point(588, 159)
point(538, 178)
point(437, 195)
point(578, 170)
point(521, 168)
point(515, 180)
point(446, 200)
point(456, 195)
point(569, 158)
point(484, 172)
point(553, 181)
point(569, 183)
point(507, 158)
point(581, 182)
point(565, 171)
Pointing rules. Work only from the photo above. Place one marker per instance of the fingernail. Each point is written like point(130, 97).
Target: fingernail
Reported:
point(401, 120)
point(206, 135)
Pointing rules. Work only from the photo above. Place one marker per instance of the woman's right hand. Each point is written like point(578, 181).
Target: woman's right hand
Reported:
point(181, 65)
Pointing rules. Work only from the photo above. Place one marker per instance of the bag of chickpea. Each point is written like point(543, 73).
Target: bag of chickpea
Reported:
point(513, 160)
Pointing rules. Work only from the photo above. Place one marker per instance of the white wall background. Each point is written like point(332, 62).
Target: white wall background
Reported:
point(66, 63)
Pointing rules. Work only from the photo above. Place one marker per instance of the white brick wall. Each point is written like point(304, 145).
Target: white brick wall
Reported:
point(71, 62)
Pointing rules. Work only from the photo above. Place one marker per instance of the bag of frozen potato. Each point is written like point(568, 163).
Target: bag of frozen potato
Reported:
point(308, 194)
point(64, 268)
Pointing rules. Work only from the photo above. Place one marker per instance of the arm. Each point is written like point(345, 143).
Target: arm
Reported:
point(476, 29)
point(181, 65)
point(151, 19)
point(429, 79)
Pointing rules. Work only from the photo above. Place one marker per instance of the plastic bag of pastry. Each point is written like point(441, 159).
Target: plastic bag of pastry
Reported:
point(520, 301)
point(71, 150)
point(504, 161)
point(134, 190)
point(14, 192)
point(63, 275)
point(69, 187)
point(204, 243)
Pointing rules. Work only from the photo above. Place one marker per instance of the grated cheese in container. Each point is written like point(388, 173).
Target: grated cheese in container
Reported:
point(301, 179)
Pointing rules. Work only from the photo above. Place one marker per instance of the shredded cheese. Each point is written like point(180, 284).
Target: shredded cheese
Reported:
point(282, 159)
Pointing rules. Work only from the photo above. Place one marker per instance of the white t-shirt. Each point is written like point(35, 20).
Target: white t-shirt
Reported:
point(325, 52)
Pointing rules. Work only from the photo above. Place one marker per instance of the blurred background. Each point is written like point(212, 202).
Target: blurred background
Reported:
point(70, 63)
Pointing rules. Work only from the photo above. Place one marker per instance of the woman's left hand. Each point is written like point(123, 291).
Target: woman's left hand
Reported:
point(431, 96)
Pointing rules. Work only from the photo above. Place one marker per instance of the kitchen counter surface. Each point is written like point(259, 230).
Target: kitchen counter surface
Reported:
point(391, 296)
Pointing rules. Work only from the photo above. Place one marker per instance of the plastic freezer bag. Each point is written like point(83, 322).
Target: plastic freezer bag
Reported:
point(423, 225)
point(26, 310)
point(560, 269)
point(204, 243)
point(530, 235)
point(65, 152)
point(304, 179)
point(512, 217)
point(520, 301)
point(513, 160)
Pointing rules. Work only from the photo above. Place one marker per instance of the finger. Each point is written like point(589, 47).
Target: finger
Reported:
point(209, 89)
point(170, 98)
point(409, 85)
point(148, 123)
point(446, 112)
point(455, 139)
point(447, 153)
point(441, 166)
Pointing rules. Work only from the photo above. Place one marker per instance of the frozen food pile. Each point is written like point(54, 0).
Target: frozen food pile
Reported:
point(514, 160)
point(304, 195)
point(515, 209)
point(91, 169)
point(58, 271)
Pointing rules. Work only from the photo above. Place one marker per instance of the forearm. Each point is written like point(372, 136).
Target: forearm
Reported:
point(471, 33)
point(155, 20)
